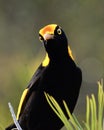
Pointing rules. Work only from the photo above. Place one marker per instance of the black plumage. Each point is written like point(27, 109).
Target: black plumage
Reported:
point(57, 75)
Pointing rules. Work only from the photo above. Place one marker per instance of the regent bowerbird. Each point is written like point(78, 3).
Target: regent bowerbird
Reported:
point(58, 75)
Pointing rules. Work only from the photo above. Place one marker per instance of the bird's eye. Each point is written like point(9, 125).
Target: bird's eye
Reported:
point(41, 38)
point(59, 31)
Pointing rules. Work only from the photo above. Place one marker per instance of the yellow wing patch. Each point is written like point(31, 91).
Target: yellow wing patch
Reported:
point(21, 102)
point(45, 61)
point(70, 53)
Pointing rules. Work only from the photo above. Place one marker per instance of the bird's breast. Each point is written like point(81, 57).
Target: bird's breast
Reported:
point(58, 79)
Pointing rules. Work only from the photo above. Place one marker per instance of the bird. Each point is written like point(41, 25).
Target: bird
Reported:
point(57, 75)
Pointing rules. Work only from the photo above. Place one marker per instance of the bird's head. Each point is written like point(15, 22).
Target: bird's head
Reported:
point(55, 42)
point(54, 39)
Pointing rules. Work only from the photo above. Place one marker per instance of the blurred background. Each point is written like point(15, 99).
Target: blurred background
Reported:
point(21, 52)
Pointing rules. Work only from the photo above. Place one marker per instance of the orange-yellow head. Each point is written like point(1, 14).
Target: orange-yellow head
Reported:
point(55, 41)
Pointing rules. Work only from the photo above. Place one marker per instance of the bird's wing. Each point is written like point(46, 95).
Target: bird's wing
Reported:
point(33, 84)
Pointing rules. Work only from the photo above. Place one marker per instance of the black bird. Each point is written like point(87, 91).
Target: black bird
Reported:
point(57, 75)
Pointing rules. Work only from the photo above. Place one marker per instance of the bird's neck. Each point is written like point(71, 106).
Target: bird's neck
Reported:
point(60, 57)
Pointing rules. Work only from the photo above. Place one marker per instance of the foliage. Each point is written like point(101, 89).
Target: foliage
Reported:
point(94, 112)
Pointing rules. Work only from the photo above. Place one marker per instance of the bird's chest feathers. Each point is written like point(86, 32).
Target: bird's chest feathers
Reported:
point(57, 76)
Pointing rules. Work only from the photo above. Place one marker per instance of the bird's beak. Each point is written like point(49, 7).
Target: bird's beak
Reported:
point(48, 36)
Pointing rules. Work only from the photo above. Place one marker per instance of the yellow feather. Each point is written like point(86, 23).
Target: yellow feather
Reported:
point(45, 61)
point(70, 53)
point(48, 29)
point(21, 102)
